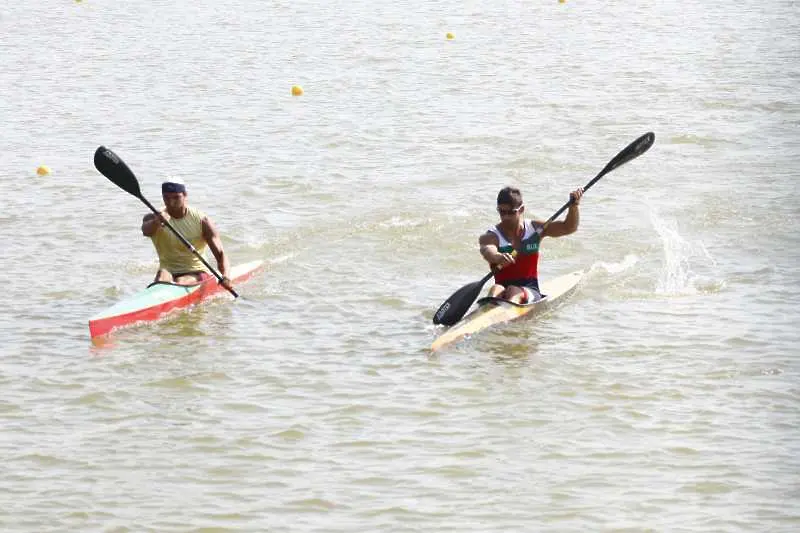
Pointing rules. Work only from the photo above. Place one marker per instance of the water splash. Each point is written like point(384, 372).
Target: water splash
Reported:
point(399, 222)
point(281, 258)
point(615, 268)
point(677, 276)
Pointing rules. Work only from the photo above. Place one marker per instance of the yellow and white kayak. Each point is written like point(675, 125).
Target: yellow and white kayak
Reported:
point(493, 311)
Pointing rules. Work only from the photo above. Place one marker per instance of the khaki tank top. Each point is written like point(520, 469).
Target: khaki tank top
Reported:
point(173, 255)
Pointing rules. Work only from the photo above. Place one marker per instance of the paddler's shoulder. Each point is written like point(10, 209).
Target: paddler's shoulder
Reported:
point(538, 225)
point(195, 212)
point(489, 236)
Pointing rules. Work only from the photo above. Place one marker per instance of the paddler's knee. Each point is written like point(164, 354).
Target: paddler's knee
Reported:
point(188, 279)
point(496, 291)
point(163, 276)
point(514, 294)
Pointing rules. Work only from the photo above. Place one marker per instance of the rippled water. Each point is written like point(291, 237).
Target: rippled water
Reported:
point(662, 396)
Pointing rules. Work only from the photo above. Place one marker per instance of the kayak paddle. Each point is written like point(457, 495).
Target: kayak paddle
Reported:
point(114, 168)
point(455, 307)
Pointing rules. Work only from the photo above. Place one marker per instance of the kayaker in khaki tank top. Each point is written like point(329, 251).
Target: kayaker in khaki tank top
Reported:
point(177, 264)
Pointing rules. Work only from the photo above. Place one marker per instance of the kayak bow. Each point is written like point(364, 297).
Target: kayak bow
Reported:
point(493, 311)
point(160, 298)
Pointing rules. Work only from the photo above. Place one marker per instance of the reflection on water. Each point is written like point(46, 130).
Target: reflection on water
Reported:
point(179, 323)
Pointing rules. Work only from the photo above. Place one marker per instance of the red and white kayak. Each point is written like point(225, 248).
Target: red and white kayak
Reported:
point(160, 298)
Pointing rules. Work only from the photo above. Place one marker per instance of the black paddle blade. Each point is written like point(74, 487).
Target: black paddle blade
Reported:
point(632, 151)
point(455, 307)
point(114, 168)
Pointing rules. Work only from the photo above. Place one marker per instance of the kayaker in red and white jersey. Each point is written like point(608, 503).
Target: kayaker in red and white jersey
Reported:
point(512, 247)
point(177, 264)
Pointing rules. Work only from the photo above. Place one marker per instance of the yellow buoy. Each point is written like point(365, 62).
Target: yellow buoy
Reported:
point(43, 170)
point(297, 90)
point(450, 36)
point(562, 1)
